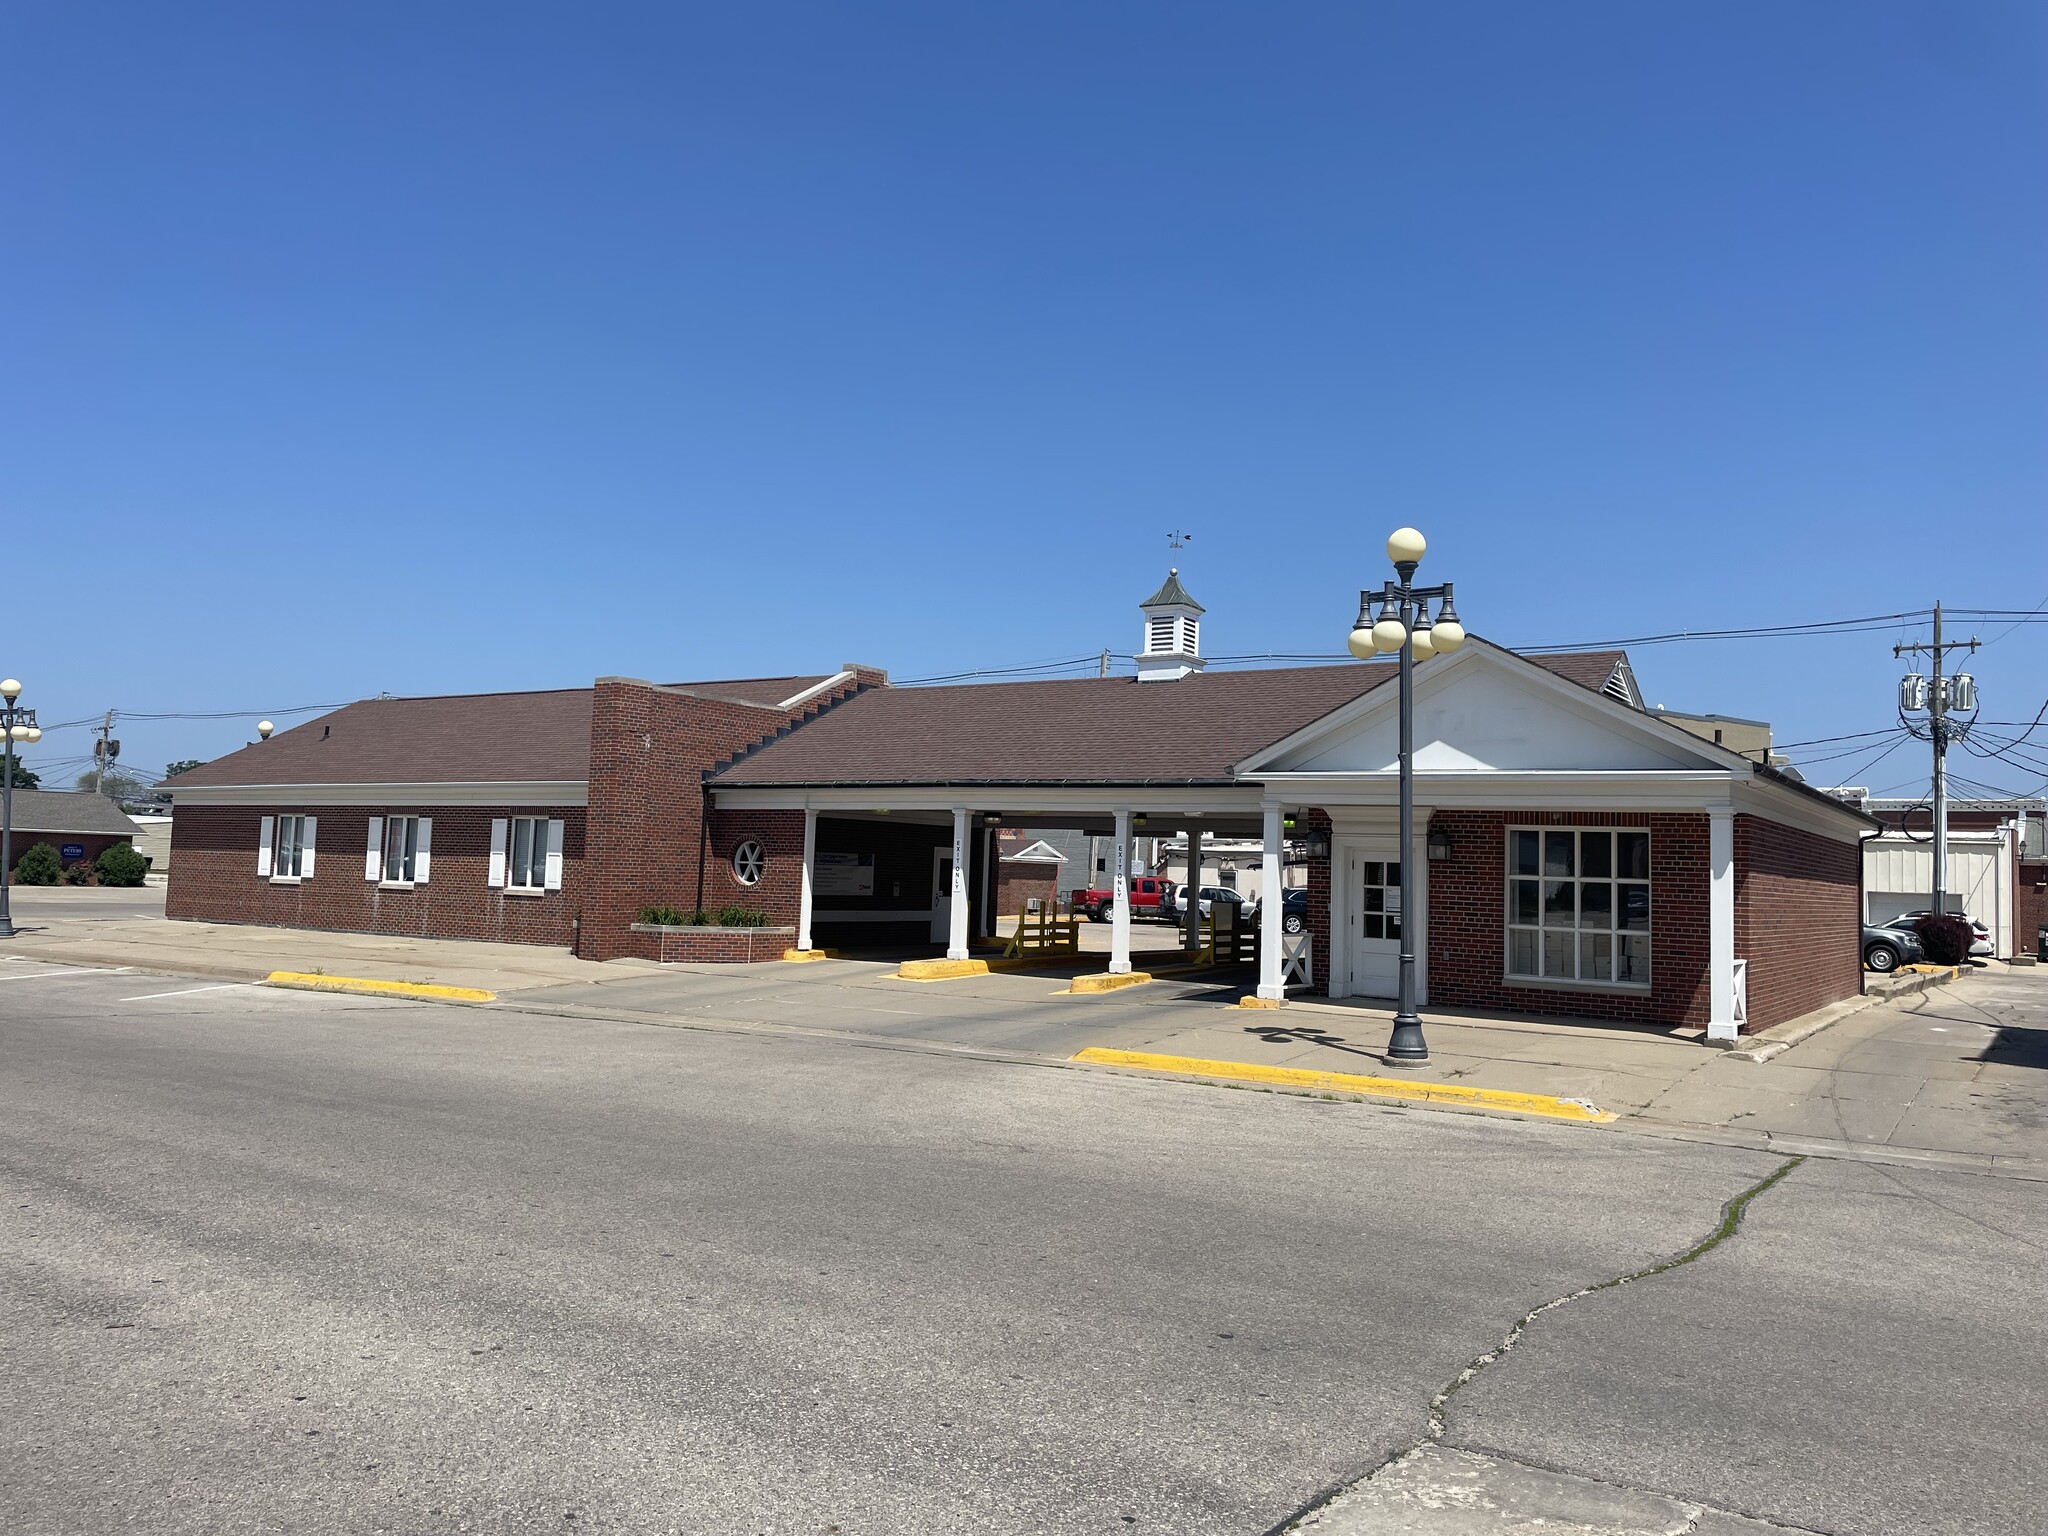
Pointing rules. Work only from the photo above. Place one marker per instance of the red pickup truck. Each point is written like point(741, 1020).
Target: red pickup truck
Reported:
point(1148, 893)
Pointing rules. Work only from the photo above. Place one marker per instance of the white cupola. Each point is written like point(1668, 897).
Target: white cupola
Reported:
point(1173, 634)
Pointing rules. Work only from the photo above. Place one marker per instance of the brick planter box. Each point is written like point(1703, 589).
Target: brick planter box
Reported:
point(710, 946)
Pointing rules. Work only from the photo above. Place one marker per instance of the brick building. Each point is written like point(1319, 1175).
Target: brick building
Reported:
point(80, 824)
point(1573, 854)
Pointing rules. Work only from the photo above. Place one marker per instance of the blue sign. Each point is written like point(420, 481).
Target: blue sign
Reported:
point(73, 850)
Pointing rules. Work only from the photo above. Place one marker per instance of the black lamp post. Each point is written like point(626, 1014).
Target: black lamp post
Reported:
point(1404, 625)
point(15, 725)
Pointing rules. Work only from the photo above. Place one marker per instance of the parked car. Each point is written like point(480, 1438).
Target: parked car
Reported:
point(1175, 909)
point(1886, 949)
point(1980, 945)
point(1147, 894)
point(1294, 909)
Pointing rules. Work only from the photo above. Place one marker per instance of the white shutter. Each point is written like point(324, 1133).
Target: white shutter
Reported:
point(554, 856)
point(306, 857)
point(424, 852)
point(263, 847)
point(373, 858)
point(496, 879)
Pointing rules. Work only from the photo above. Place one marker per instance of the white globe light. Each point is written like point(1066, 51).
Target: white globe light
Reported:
point(1361, 644)
point(1406, 544)
point(1424, 646)
point(1449, 633)
point(10, 689)
point(1388, 635)
point(35, 734)
point(19, 733)
point(264, 728)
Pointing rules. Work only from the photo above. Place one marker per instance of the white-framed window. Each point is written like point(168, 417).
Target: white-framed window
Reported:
point(749, 862)
point(526, 865)
point(1578, 905)
point(291, 848)
point(401, 850)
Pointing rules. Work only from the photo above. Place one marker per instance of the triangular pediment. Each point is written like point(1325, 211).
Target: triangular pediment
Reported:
point(1485, 710)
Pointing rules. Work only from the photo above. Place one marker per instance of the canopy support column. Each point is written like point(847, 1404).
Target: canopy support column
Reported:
point(956, 939)
point(1272, 910)
point(1120, 894)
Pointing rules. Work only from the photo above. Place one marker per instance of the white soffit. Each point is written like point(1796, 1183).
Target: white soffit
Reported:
point(1484, 711)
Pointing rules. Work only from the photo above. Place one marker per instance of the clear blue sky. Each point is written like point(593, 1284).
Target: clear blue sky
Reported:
point(446, 347)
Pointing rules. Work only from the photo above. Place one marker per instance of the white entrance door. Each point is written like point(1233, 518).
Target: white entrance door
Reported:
point(942, 894)
point(1374, 872)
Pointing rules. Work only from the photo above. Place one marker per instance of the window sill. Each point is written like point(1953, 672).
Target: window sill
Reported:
point(523, 890)
point(284, 879)
point(396, 885)
point(1546, 984)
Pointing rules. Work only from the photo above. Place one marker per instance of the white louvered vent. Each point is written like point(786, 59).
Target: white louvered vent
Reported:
point(1159, 635)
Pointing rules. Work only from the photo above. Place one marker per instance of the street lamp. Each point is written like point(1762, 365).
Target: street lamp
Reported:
point(1403, 624)
point(15, 725)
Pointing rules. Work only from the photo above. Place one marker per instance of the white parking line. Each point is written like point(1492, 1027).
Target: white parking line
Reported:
point(225, 986)
point(90, 970)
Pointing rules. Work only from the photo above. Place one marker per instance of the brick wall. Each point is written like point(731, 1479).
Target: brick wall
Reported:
point(1468, 918)
point(2030, 904)
point(216, 881)
point(650, 749)
point(1317, 823)
point(1017, 884)
point(1796, 919)
point(95, 843)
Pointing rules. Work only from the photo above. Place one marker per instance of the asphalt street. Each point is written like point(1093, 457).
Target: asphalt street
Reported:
point(280, 1261)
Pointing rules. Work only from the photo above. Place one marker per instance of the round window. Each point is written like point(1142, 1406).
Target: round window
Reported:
point(748, 860)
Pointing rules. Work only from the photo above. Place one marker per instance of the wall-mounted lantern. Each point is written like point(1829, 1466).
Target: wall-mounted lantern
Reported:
point(1439, 845)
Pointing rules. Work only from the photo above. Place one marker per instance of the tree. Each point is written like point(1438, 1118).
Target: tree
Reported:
point(119, 784)
point(172, 770)
point(25, 777)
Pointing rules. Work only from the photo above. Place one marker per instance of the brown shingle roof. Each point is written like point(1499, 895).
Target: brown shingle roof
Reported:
point(1093, 730)
point(469, 738)
point(1112, 730)
point(66, 810)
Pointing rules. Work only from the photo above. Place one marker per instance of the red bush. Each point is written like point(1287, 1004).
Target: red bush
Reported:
point(1946, 938)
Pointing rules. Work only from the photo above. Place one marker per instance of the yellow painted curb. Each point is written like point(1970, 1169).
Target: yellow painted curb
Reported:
point(1109, 983)
point(940, 970)
point(1345, 1082)
point(309, 981)
point(1260, 1002)
point(805, 956)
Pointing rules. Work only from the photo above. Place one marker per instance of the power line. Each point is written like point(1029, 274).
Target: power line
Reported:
point(1755, 632)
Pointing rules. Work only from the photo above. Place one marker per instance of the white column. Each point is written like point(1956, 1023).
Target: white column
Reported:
point(803, 895)
point(956, 939)
point(1720, 922)
point(1272, 904)
point(1120, 894)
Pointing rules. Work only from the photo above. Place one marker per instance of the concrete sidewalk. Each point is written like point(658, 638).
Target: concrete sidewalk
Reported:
point(82, 935)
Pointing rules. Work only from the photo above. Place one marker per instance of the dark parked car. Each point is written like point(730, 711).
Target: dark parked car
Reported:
point(1886, 949)
point(1294, 909)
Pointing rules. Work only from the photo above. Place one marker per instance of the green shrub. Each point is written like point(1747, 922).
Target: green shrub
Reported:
point(39, 866)
point(78, 872)
point(121, 865)
point(724, 917)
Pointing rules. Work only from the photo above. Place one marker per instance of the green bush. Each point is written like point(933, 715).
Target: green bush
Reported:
point(78, 872)
point(39, 866)
point(724, 917)
point(121, 865)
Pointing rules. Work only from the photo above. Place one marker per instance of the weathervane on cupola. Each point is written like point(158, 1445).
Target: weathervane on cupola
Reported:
point(1173, 632)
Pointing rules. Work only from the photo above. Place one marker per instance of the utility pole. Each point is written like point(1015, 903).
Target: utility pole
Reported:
point(104, 750)
point(1941, 697)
